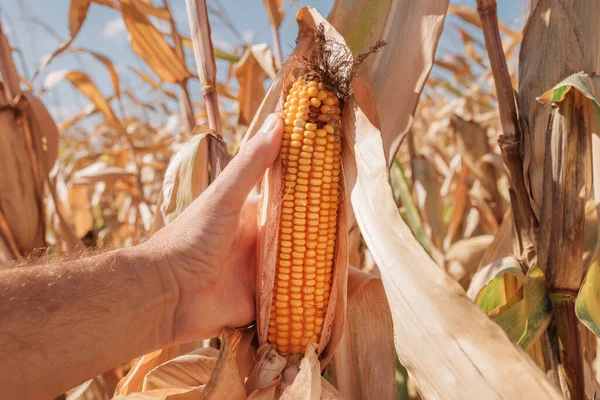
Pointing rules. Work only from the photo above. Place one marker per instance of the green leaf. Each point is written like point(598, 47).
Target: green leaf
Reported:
point(491, 279)
point(524, 316)
point(403, 195)
point(525, 319)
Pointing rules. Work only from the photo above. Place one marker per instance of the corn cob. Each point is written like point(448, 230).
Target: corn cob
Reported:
point(310, 156)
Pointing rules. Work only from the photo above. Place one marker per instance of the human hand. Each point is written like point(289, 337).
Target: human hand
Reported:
point(208, 252)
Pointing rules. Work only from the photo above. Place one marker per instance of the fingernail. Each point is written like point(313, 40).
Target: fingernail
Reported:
point(270, 123)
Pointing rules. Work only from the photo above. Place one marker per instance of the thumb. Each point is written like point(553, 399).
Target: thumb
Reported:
point(249, 165)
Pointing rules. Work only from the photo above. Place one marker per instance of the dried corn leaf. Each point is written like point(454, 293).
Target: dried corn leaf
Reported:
point(470, 15)
point(251, 71)
point(398, 74)
point(114, 75)
point(148, 43)
point(275, 12)
point(192, 393)
point(184, 371)
point(306, 382)
point(225, 381)
point(134, 380)
point(416, 287)
point(100, 172)
point(82, 82)
point(364, 363)
point(144, 6)
point(187, 175)
point(156, 85)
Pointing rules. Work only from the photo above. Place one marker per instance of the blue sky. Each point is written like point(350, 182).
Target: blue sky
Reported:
point(104, 32)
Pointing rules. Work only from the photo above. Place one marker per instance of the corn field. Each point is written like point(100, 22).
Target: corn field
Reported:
point(429, 229)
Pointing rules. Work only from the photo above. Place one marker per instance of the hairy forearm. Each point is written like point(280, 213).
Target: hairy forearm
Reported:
point(63, 323)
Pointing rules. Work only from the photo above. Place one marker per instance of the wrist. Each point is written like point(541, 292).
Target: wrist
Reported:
point(161, 290)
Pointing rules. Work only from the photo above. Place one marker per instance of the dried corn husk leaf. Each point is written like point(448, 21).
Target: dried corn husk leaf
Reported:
point(144, 6)
point(418, 292)
point(148, 43)
point(192, 393)
point(184, 371)
point(306, 383)
point(398, 74)
point(134, 380)
point(251, 71)
point(364, 362)
point(82, 82)
point(186, 176)
point(225, 381)
point(266, 374)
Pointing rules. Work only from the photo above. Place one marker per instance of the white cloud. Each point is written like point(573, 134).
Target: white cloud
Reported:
point(114, 27)
point(249, 36)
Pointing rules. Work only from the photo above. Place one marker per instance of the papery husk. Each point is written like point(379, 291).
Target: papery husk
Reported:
point(269, 218)
point(419, 292)
point(364, 365)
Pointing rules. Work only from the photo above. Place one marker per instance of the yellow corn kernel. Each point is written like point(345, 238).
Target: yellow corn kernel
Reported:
point(310, 157)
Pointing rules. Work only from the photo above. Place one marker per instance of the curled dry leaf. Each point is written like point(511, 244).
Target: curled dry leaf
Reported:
point(304, 384)
point(184, 371)
point(251, 71)
point(82, 82)
point(114, 75)
point(148, 43)
point(225, 381)
point(186, 176)
point(134, 380)
point(398, 74)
